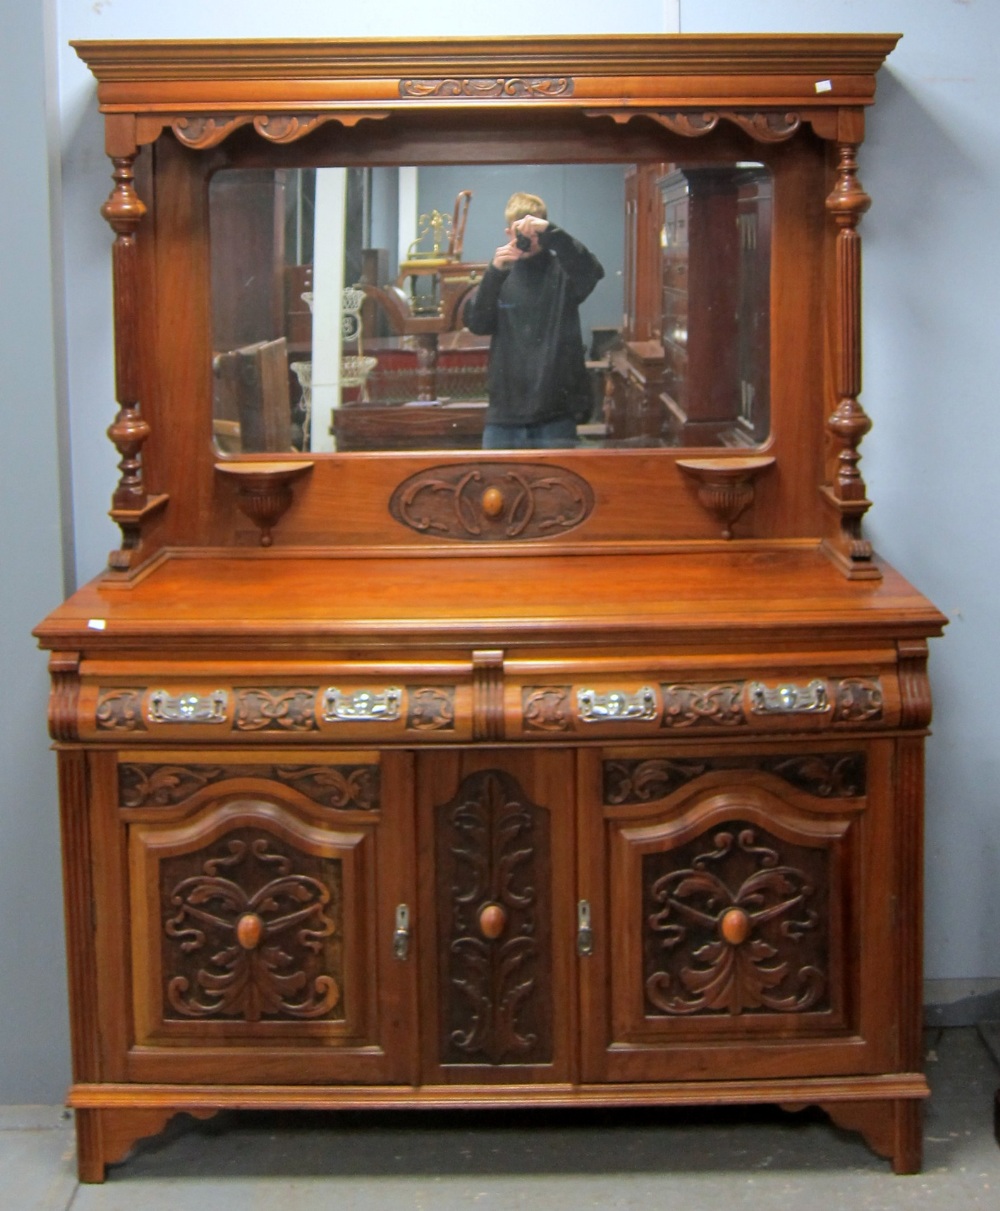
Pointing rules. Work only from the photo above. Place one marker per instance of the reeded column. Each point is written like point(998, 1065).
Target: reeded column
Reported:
point(849, 422)
point(124, 211)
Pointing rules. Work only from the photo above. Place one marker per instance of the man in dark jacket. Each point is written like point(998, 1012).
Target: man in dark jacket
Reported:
point(528, 303)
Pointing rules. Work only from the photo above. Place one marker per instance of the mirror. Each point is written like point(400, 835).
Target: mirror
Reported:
point(340, 294)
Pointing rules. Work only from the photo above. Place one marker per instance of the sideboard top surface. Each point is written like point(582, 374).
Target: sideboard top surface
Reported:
point(306, 600)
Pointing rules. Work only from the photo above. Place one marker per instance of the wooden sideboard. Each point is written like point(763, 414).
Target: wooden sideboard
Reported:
point(480, 779)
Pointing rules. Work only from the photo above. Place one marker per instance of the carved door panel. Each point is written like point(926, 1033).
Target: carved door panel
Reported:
point(497, 915)
point(727, 903)
point(263, 896)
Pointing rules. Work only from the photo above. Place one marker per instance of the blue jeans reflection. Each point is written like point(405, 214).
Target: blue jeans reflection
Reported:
point(547, 435)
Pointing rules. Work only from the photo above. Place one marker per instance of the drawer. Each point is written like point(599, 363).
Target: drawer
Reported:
point(668, 699)
point(345, 703)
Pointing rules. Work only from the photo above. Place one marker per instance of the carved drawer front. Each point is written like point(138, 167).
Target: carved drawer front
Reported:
point(256, 916)
point(667, 700)
point(736, 885)
point(499, 899)
point(319, 707)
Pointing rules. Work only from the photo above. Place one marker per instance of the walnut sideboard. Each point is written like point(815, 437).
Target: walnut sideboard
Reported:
point(580, 777)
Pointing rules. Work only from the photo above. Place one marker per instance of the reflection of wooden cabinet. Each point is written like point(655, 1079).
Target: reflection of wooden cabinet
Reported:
point(694, 368)
point(459, 778)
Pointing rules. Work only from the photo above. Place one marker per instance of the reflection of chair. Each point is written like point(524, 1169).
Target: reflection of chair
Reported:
point(354, 367)
point(252, 405)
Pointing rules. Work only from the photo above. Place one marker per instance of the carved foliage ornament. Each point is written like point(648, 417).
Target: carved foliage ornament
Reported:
point(493, 867)
point(254, 938)
point(644, 780)
point(480, 87)
point(735, 927)
point(492, 502)
point(343, 787)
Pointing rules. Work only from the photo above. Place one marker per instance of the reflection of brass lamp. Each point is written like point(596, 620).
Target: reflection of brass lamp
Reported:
point(439, 242)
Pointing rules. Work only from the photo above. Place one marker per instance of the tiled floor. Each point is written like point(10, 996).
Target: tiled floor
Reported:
point(653, 1160)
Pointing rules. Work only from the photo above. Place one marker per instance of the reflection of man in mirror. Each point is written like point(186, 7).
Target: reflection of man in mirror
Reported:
point(528, 303)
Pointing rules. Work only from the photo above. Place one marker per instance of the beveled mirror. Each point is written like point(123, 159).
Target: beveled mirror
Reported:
point(339, 295)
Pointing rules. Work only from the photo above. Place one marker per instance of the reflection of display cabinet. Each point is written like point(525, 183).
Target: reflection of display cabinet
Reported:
point(694, 367)
point(470, 779)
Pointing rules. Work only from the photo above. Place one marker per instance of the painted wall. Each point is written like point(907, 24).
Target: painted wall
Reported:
point(931, 162)
point(34, 1052)
point(931, 165)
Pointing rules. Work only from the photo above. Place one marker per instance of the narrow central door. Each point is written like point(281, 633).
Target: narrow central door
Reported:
point(497, 915)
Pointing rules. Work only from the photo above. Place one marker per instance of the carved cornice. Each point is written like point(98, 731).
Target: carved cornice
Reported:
point(205, 89)
point(784, 57)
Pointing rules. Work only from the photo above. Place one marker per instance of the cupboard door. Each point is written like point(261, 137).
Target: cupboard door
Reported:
point(728, 894)
point(497, 918)
point(263, 919)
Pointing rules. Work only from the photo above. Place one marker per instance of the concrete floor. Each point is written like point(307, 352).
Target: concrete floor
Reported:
point(650, 1159)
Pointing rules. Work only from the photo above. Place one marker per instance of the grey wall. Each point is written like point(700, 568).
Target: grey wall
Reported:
point(931, 354)
point(931, 162)
point(33, 1053)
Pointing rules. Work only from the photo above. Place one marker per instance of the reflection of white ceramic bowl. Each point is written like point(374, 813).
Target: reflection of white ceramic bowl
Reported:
point(303, 371)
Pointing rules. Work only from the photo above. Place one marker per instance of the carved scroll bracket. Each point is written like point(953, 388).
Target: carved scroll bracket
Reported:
point(264, 490)
point(64, 669)
point(726, 485)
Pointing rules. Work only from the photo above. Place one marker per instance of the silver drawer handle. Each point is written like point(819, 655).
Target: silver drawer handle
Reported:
point(789, 699)
point(616, 705)
point(188, 708)
point(362, 706)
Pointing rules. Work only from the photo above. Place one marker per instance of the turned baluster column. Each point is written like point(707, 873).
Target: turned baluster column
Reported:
point(130, 502)
point(849, 422)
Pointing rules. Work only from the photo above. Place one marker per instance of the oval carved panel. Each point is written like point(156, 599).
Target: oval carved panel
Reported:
point(492, 502)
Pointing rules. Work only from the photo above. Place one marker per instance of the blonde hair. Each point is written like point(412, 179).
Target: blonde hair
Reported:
point(521, 204)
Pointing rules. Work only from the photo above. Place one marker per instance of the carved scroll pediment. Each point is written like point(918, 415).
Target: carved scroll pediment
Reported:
point(204, 131)
point(763, 126)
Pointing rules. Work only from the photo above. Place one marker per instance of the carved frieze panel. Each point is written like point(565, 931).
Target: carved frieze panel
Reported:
point(430, 708)
point(275, 710)
point(643, 780)
point(344, 787)
point(858, 699)
point(494, 888)
point(483, 87)
point(492, 502)
point(546, 708)
point(120, 710)
point(735, 703)
point(736, 921)
point(252, 931)
point(720, 705)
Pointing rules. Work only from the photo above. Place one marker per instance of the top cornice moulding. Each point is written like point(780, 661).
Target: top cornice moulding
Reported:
point(819, 55)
